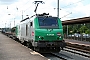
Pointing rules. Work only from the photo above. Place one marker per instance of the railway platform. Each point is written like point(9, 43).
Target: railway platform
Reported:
point(12, 50)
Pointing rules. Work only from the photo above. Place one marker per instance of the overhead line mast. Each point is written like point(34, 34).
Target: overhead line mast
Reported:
point(58, 9)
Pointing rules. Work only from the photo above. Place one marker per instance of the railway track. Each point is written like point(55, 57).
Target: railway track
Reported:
point(80, 47)
point(57, 56)
point(61, 56)
point(78, 51)
point(71, 50)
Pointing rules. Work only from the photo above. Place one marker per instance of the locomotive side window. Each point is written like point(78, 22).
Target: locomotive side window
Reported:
point(26, 30)
point(31, 24)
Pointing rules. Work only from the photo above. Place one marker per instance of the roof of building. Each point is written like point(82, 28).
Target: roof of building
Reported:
point(77, 21)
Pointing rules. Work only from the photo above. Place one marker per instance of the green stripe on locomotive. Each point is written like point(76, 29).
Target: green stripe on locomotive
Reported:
point(48, 34)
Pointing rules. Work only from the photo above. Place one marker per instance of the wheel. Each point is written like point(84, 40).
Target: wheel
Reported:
point(29, 45)
point(24, 43)
point(37, 49)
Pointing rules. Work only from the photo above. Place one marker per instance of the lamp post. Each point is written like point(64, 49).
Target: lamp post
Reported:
point(22, 14)
point(5, 25)
point(57, 8)
point(14, 22)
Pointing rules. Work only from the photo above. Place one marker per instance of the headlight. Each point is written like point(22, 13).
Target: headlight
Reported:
point(58, 34)
point(60, 37)
point(39, 37)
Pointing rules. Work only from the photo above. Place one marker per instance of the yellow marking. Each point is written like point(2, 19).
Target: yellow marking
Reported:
point(36, 53)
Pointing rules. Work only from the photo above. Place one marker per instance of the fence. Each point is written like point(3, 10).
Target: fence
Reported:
point(78, 37)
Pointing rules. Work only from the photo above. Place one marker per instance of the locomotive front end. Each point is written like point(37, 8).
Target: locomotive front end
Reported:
point(49, 33)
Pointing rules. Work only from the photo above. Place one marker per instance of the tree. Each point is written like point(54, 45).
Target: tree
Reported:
point(83, 29)
point(87, 31)
point(64, 29)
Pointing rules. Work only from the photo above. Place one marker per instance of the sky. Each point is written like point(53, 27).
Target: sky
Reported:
point(12, 10)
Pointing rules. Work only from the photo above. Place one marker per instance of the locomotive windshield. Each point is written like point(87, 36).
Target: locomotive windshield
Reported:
point(48, 22)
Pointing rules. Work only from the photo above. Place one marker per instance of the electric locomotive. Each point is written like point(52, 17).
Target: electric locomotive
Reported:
point(41, 32)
